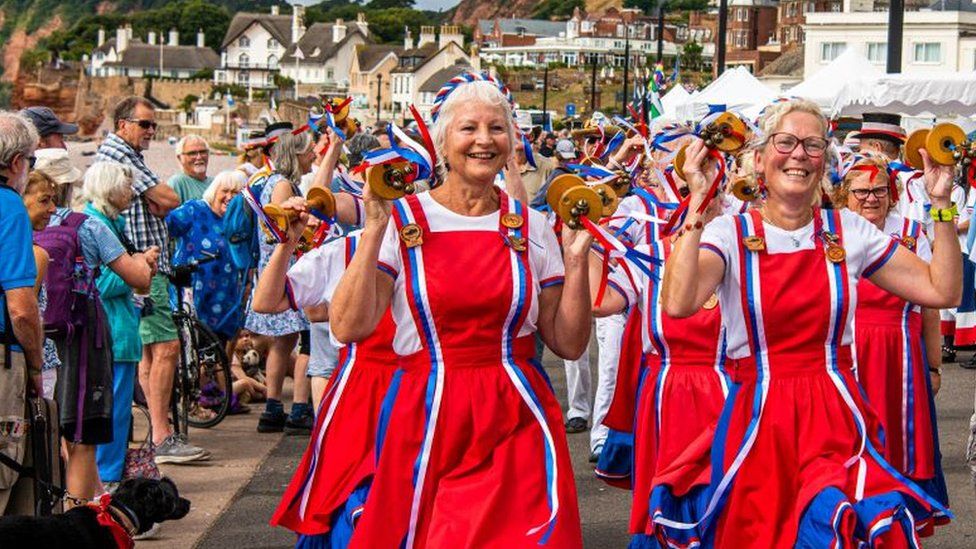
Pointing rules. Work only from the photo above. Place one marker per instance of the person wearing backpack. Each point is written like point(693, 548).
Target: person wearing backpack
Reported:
point(79, 246)
point(20, 325)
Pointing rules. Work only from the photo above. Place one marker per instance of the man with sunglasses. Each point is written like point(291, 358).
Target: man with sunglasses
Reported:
point(135, 126)
point(194, 155)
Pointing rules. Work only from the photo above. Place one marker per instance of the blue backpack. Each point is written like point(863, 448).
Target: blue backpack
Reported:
point(241, 226)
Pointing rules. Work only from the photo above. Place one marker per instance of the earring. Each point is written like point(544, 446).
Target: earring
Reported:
point(761, 184)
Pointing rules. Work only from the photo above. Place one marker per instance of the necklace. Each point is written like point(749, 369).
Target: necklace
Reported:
point(791, 234)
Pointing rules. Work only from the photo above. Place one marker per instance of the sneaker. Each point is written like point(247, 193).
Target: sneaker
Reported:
point(576, 425)
point(272, 422)
point(595, 454)
point(302, 425)
point(969, 364)
point(175, 450)
point(948, 354)
point(151, 533)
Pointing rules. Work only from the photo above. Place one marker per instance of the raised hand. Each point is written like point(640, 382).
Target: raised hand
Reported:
point(377, 210)
point(938, 180)
point(298, 222)
point(698, 171)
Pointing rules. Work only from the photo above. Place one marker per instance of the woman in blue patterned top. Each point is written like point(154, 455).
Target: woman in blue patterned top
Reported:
point(197, 227)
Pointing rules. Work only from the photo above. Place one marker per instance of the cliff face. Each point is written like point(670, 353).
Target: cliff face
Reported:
point(20, 42)
point(468, 12)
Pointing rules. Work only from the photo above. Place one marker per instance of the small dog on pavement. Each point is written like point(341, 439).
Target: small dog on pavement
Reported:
point(134, 508)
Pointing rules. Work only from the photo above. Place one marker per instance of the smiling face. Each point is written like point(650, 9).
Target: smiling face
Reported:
point(222, 198)
point(477, 143)
point(863, 199)
point(195, 158)
point(39, 201)
point(794, 174)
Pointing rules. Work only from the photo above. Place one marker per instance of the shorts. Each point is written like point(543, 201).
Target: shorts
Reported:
point(304, 342)
point(158, 327)
point(324, 356)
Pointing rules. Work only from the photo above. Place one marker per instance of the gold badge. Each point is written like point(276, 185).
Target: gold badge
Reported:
point(909, 242)
point(831, 238)
point(412, 235)
point(754, 243)
point(711, 303)
point(835, 253)
point(517, 243)
point(512, 220)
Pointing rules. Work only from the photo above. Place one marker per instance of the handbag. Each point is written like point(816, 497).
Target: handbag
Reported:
point(140, 462)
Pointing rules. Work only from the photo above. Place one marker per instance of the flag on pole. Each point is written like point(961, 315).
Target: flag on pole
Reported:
point(677, 68)
point(654, 103)
point(659, 75)
point(230, 101)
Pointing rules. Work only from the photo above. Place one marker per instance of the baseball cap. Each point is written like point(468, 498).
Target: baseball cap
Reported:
point(566, 149)
point(47, 122)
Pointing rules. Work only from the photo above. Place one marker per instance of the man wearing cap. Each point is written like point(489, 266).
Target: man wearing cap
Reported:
point(134, 120)
point(51, 129)
point(548, 146)
point(194, 155)
point(565, 151)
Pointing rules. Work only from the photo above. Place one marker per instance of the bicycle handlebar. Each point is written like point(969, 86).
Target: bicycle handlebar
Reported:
point(181, 273)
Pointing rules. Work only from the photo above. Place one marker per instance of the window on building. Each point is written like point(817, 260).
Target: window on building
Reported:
point(835, 7)
point(830, 50)
point(272, 62)
point(272, 43)
point(244, 42)
point(877, 52)
point(329, 74)
point(244, 61)
point(745, 14)
point(269, 80)
point(928, 52)
point(243, 77)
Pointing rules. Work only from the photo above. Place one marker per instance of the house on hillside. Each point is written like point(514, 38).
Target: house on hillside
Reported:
point(429, 88)
point(252, 50)
point(125, 55)
point(321, 60)
point(515, 32)
point(419, 62)
point(371, 68)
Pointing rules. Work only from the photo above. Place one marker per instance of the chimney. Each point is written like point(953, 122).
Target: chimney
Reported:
point(275, 10)
point(128, 31)
point(174, 37)
point(407, 39)
point(426, 35)
point(362, 24)
point(475, 58)
point(201, 39)
point(151, 38)
point(450, 33)
point(297, 23)
point(338, 31)
point(101, 36)
point(121, 39)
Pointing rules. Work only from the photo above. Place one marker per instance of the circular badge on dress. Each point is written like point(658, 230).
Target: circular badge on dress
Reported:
point(836, 254)
point(909, 242)
point(711, 303)
point(512, 220)
point(412, 235)
point(754, 243)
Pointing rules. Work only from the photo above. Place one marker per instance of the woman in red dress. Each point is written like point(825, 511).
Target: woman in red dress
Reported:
point(329, 487)
point(892, 365)
point(474, 453)
point(795, 457)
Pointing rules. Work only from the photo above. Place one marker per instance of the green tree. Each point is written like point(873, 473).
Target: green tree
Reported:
point(388, 25)
point(691, 56)
point(647, 6)
point(187, 103)
point(557, 9)
point(386, 4)
point(283, 82)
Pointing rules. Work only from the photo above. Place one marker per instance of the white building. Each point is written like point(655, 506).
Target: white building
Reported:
point(254, 46)
point(125, 55)
point(933, 41)
point(419, 62)
point(322, 57)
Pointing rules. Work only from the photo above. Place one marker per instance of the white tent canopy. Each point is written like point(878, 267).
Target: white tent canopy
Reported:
point(673, 99)
point(936, 94)
point(736, 89)
point(850, 71)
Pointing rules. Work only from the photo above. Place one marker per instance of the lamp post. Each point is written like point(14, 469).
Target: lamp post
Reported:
point(379, 95)
point(660, 32)
point(545, 98)
point(723, 15)
point(896, 22)
point(623, 111)
point(593, 85)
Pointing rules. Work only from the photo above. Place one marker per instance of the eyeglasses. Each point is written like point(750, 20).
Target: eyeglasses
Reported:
point(31, 160)
point(785, 143)
point(201, 152)
point(878, 192)
point(144, 124)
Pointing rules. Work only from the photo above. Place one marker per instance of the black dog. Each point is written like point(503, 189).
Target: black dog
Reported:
point(136, 506)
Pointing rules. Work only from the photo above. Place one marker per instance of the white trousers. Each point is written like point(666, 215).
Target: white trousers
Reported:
point(609, 335)
point(579, 387)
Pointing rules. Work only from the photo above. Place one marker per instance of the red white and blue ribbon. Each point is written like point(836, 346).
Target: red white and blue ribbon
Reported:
point(252, 200)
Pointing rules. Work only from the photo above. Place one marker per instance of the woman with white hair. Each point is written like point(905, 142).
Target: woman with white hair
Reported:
point(474, 453)
point(795, 458)
point(197, 229)
point(94, 423)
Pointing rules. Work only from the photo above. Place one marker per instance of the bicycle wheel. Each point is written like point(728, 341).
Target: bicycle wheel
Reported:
point(181, 396)
point(210, 379)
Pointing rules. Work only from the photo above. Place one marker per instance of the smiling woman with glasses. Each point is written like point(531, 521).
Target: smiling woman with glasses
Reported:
point(799, 446)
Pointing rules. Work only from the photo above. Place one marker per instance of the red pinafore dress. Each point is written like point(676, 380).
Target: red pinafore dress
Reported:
point(793, 459)
point(340, 456)
point(615, 465)
point(475, 453)
point(681, 392)
point(894, 374)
